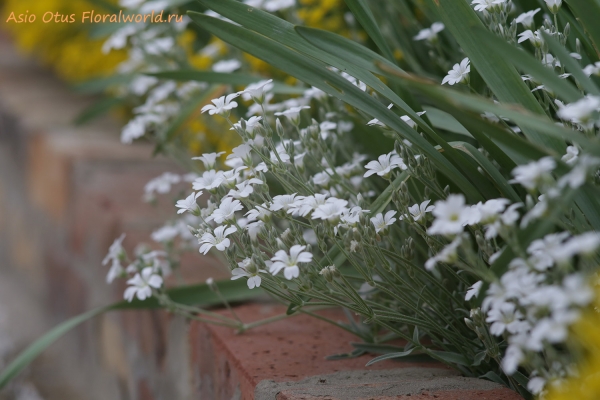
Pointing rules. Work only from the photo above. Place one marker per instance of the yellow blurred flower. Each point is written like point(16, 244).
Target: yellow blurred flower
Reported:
point(66, 47)
point(586, 338)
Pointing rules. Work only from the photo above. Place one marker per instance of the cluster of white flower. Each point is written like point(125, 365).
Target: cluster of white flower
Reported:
point(295, 197)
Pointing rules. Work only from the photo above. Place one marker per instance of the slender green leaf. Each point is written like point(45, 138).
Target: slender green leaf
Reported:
point(224, 78)
point(186, 112)
point(443, 120)
point(570, 64)
point(494, 377)
point(526, 62)
point(587, 12)
point(98, 108)
point(501, 77)
point(449, 357)
point(31, 352)
point(345, 356)
point(365, 18)
point(391, 355)
point(101, 84)
point(522, 117)
point(378, 348)
point(198, 295)
point(501, 183)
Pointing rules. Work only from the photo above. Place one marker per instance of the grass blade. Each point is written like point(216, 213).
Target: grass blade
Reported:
point(365, 18)
point(570, 64)
point(501, 77)
point(198, 295)
point(224, 78)
point(531, 65)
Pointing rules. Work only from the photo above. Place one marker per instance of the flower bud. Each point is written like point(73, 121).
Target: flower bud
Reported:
point(326, 273)
point(279, 128)
point(470, 324)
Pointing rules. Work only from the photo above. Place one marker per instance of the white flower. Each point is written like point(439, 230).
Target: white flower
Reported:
point(505, 318)
point(246, 269)
point(303, 206)
point(375, 121)
point(586, 244)
point(142, 284)
point(140, 84)
point(536, 38)
point(188, 204)
point(209, 159)
point(408, 120)
point(577, 290)
point(244, 189)
point(483, 5)
point(418, 211)
point(384, 165)
point(553, 5)
point(543, 250)
point(533, 174)
point(448, 254)
point(459, 73)
point(508, 218)
point(257, 90)
point(592, 69)
point(209, 180)
point(254, 229)
point(161, 184)
point(222, 105)
point(251, 124)
point(226, 210)
point(323, 178)
point(381, 222)
point(242, 152)
point(579, 173)
point(536, 385)
point(580, 111)
point(526, 19)
point(276, 5)
point(293, 114)
point(315, 93)
point(115, 271)
point(282, 202)
point(226, 66)
point(218, 240)
point(473, 291)
point(118, 39)
point(260, 213)
point(331, 210)
point(451, 215)
point(352, 216)
point(571, 156)
point(165, 234)
point(430, 34)
point(115, 251)
point(512, 358)
point(289, 263)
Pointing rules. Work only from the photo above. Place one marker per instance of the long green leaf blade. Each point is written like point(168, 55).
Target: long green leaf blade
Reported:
point(501, 77)
point(529, 64)
point(587, 12)
point(570, 64)
point(365, 18)
point(198, 295)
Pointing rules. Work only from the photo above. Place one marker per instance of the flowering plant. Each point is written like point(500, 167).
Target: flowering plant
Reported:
point(463, 220)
